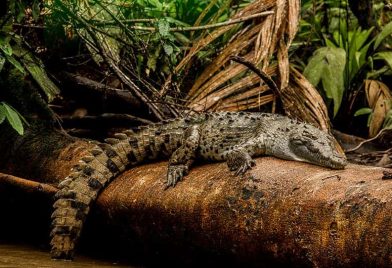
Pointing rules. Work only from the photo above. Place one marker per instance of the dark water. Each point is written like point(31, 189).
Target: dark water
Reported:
point(16, 256)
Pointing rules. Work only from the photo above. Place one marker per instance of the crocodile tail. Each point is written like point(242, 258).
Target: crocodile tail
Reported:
point(77, 192)
point(81, 188)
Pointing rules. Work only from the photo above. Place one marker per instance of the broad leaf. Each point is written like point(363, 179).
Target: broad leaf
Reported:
point(16, 64)
point(5, 46)
point(13, 118)
point(386, 56)
point(379, 99)
point(386, 31)
point(36, 68)
point(328, 65)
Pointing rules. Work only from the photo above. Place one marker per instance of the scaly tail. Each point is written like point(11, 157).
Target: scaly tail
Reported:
point(80, 189)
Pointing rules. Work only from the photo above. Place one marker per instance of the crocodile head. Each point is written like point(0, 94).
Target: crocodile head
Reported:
point(310, 144)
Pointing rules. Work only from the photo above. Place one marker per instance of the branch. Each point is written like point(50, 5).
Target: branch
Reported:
point(96, 86)
point(97, 120)
point(187, 29)
point(26, 185)
point(263, 76)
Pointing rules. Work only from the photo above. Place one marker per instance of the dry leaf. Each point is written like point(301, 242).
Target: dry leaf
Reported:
point(379, 98)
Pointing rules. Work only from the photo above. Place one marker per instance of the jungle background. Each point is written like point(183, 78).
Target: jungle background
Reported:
point(100, 65)
point(93, 68)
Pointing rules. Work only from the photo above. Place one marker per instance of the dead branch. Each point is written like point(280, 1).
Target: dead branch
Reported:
point(104, 89)
point(26, 185)
point(106, 118)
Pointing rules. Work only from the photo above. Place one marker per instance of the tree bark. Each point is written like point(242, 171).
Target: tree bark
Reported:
point(292, 213)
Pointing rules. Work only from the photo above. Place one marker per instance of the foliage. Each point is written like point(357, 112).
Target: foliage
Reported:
point(327, 66)
point(345, 56)
point(12, 52)
point(141, 32)
point(12, 116)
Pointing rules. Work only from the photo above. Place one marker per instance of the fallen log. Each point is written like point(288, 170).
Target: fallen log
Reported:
point(283, 211)
point(280, 212)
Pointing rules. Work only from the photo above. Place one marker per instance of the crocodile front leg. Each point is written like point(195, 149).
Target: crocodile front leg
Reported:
point(183, 157)
point(239, 159)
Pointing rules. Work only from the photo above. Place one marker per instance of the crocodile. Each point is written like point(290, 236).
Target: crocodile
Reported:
point(234, 137)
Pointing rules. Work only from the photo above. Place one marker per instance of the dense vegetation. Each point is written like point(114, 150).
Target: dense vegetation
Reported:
point(141, 44)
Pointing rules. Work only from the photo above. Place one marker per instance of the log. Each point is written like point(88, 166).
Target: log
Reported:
point(281, 212)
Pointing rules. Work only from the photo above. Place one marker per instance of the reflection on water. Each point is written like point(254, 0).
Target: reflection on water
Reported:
point(16, 256)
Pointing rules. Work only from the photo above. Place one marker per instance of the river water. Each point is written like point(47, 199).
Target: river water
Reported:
point(18, 256)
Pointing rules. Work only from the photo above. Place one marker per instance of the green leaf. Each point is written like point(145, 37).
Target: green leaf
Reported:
point(386, 56)
point(2, 114)
point(16, 64)
point(314, 70)
point(35, 10)
point(168, 49)
point(386, 31)
point(182, 38)
point(388, 120)
point(2, 61)
point(327, 65)
point(5, 46)
point(21, 11)
point(36, 68)
point(152, 62)
point(329, 43)
point(163, 28)
point(362, 37)
point(13, 118)
point(363, 111)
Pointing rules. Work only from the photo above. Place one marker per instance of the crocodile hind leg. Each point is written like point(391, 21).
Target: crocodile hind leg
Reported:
point(239, 159)
point(183, 157)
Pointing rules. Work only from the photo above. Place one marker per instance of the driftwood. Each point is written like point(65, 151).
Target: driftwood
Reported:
point(280, 212)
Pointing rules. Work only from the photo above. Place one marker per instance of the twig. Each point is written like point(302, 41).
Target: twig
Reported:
point(106, 117)
point(204, 27)
point(114, 22)
point(34, 26)
point(265, 77)
point(366, 141)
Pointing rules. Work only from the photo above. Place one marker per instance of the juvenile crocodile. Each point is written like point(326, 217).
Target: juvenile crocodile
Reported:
point(234, 137)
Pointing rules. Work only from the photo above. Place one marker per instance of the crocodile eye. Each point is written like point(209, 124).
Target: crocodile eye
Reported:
point(297, 142)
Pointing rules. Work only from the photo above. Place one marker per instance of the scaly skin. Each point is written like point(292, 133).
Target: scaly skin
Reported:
point(233, 137)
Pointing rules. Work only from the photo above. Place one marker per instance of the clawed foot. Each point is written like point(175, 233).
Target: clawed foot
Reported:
point(239, 162)
point(175, 173)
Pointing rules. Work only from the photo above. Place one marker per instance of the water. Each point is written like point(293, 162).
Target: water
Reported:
point(16, 256)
